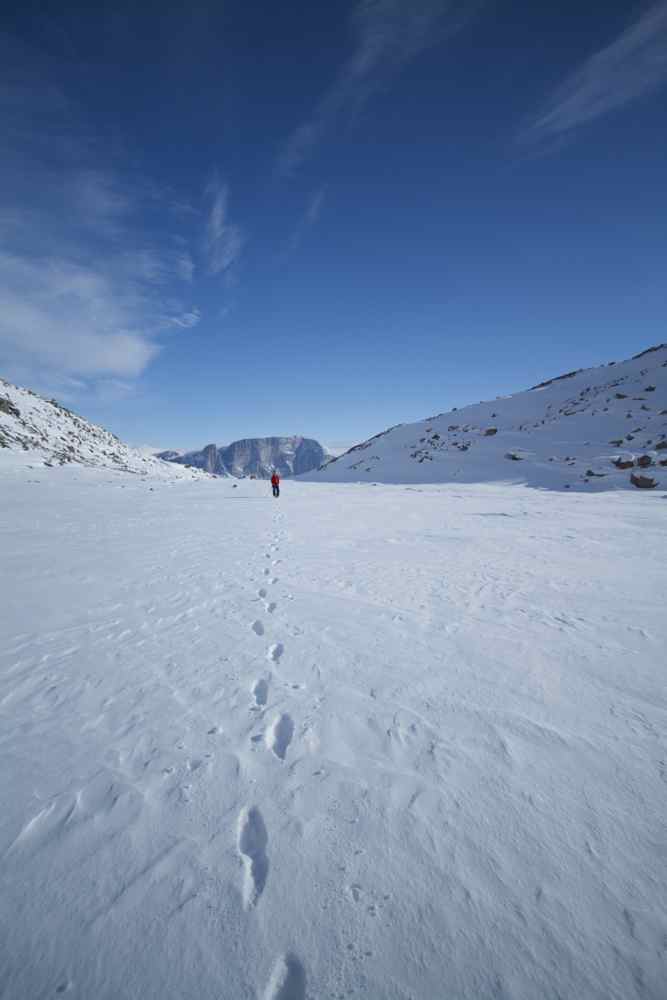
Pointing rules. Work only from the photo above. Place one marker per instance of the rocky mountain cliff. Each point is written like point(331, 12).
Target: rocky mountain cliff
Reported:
point(291, 456)
point(594, 429)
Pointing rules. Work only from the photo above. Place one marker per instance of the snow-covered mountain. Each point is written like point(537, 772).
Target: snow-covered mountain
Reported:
point(593, 429)
point(38, 430)
point(291, 456)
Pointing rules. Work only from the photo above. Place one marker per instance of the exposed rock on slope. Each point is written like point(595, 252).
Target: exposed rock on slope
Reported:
point(582, 430)
point(291, 456)
point(43, 431)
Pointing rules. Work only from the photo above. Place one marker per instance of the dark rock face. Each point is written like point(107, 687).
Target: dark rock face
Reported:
point(258, 457)
point(6, 406)
point(642, 482)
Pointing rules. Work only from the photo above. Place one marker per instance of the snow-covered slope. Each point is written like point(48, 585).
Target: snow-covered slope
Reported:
point(34, 430)
point(255, 457)
point(599, 428)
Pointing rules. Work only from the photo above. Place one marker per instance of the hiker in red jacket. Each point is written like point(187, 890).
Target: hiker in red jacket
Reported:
point(275, 483)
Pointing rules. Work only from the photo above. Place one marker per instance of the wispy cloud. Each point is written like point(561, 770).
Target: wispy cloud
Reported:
point(87, 284)
point(633, 65)
point(314, 208)
point(387, 35)
point(186, 320)
point(309, 218)
point(224, 239)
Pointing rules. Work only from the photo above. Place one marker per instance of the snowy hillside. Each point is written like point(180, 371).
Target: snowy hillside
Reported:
point(595, 429)
point(255, 457)
point(34, 430)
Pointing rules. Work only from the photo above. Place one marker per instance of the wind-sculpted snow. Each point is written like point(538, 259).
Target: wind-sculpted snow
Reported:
point(36, 432)
point(424, 759)
point(255, 457)
point(585, 430)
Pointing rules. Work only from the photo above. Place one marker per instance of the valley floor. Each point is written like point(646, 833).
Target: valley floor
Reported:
point(385, 742)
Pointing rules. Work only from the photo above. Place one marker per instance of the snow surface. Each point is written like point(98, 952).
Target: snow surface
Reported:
point(567, 433)
point(378, 742)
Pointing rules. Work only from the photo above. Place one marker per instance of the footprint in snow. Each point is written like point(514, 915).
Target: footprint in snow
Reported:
point(275, 652)
point(257, 627)
point(279, 736)
point(288, 980)
point(252, 843)
point(260, 690)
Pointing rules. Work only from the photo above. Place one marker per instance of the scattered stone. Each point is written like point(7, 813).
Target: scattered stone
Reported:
point(649, 388)
point(643, 482)
point(617, 442)
point(513, 457)
point(621, 395)
point(661, 445)
point(490, 431)
point(624, 463)
point(644, 461)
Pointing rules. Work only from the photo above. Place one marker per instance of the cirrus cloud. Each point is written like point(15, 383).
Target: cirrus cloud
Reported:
point(633, 65)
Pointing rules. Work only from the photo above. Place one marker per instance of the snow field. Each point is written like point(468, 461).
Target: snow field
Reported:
point(382, 742)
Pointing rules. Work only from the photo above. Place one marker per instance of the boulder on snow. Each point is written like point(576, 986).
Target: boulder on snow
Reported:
point(617, 442)
point(624, 463)
point(642, 482)
point(644, 461)
point(490, 431)
point(513, 457)
point(661, 445)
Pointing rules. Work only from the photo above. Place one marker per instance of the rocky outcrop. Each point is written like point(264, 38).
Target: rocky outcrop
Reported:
point(258, 457)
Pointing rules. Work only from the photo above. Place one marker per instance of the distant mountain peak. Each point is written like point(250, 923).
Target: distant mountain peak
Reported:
point(290, 456)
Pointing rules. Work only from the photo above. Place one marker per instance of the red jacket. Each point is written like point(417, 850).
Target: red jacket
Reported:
point(275, 479)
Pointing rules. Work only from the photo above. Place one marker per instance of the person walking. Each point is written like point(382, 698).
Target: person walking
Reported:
point(275, 483)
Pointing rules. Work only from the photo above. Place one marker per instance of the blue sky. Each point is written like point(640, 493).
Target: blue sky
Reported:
point(238, 219)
